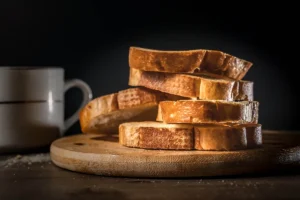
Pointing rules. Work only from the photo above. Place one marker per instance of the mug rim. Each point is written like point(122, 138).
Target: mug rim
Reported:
point(28, 68)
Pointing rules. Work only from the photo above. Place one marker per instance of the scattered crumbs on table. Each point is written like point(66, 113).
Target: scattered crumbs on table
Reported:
point(26, 159)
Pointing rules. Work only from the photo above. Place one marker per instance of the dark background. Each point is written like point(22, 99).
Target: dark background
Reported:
point(90, 39)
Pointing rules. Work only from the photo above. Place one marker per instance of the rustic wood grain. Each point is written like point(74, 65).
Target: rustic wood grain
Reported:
point(103, 155)
point(43, 180)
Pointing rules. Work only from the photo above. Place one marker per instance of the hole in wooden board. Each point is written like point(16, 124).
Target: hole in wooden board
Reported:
point(110, 138)
point(79, 144)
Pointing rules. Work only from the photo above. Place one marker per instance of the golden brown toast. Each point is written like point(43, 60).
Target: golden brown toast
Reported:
point(199, 61)
point(157, 135)
point(190, 86)
point(105, 113)
point(205, 111)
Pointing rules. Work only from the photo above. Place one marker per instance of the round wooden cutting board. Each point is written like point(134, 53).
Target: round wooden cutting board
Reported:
point(103, 155)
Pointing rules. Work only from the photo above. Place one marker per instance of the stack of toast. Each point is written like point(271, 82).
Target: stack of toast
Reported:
point(180, 100)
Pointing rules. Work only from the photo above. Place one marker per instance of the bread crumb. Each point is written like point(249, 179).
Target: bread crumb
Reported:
point(26, 159)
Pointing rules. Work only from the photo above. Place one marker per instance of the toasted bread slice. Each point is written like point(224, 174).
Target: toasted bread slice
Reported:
point(157, 135)
point(193, 86)
point(228, 137)
point(200, 61)
point(207, 112)
point(105, 113)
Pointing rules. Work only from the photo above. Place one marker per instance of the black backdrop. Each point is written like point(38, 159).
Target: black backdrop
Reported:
point(90, 39)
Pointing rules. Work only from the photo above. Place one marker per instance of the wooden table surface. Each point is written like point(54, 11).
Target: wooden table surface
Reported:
point(33, 176)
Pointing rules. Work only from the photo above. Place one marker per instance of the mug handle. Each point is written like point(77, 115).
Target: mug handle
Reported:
point(87, 96)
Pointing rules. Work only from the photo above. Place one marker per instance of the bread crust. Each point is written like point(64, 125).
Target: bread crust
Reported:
point(148, 135)
point(193, 86)
point(189, 61)
point(214, 137)
point(176, 84)
point(102, 105)
point(204, 111)
point(105, 113)
point(228, 138)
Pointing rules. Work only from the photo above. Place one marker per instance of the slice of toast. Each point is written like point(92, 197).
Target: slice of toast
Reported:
point(228, 137)
point(203, 61)
point(157, 135)
point(207, 112)
point(105, 113)
point(193, 86)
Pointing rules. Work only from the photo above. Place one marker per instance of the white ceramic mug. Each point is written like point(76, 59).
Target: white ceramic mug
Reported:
point(32, 106)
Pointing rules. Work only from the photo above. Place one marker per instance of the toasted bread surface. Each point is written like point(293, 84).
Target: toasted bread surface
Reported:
point(154, 135)
point(228, 138)
point(105, 113)
point(189, 61)
point(205, 111)
point(213, 137)
point(190, 86)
